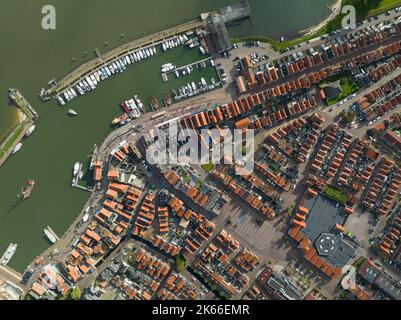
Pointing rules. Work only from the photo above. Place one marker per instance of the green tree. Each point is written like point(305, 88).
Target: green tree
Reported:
point(76, 293)
point(180, 263)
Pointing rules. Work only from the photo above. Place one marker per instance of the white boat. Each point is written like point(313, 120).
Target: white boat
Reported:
point(49, 235)
point(167, 65)
point(61, 100)
point(30, 131)
point(72, 112)
point(81, 92)
point(96, 75)
point(17, 148)
point(75, 171)
point(168, 69)
point(85, 218)
point(108, 71)
point(8, 254)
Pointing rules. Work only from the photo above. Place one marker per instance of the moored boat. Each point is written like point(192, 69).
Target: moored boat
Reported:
point(167, 99)
point(154, 103)
point(17, 148)
point(72, 112)
point(8, 254)
point(30, 131)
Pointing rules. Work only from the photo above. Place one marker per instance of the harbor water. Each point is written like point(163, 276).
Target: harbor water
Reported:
point(31, 56)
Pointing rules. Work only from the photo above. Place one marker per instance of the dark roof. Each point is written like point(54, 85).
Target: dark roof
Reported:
point(219, 33)
point(331, 245)
point(333, 90)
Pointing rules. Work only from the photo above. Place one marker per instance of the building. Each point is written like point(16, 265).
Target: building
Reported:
point(320, 234)
point(279, 286)
point(373, 274)
point(219, 33)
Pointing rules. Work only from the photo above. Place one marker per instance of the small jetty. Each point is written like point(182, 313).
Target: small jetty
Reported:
point(17, 97)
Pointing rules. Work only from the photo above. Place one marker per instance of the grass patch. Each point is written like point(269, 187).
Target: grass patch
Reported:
point(180, 263)
point(348, 87)
point(364, 8)
point(11, 139)
point(335, 195)
point(208, 167)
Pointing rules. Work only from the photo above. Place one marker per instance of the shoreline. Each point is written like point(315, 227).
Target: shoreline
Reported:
point(335, 11)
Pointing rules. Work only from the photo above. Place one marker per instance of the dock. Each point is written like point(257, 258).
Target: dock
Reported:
point(20, 101)
point(18, 133)
point(91, 66)
point(188, 65)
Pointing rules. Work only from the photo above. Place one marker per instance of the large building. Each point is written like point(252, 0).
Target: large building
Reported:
point(373, 274)
point(217, 23)
point(320, 234)
point(219, 33)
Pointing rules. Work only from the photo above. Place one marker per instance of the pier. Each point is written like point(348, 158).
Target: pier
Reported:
point(18, 133)
point(188, 65)
point(149, 41)
point(23, 104)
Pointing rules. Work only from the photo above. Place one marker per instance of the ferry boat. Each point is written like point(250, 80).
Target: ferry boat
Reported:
point(17, 148)
point(154, 103)
point(77, 166)
point(8, 254)
point(27, 190)
point(30, 131)
point(49, 235)
point(72, 112)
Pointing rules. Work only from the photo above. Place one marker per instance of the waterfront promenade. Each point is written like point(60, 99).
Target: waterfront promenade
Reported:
point(114, 54)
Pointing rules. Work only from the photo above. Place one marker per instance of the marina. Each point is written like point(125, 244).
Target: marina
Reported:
point(135, 48)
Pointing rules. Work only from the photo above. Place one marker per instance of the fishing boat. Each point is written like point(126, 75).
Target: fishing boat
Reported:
point(167, 98)
point(154, 103)
point(30, 131)
point(17, 148)
point(27, 190)
point(72, 112)
point(119, 119)
point(8, 254)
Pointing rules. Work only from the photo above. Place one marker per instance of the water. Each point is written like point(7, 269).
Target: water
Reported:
point(30, 57)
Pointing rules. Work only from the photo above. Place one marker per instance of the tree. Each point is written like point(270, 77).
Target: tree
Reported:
point(348, 117)
point(180, 263)
point(76, 293)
